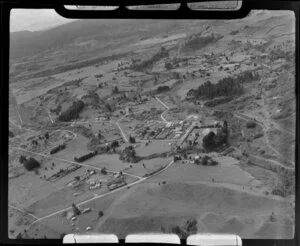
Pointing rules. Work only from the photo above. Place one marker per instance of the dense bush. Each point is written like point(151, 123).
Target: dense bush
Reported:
point(162, 88)
point(115, 90)
point(85, 157)
point(250, 124)
point(98, 75)
point(100, 214)
point(258, 135)
point(212, 141)
point(247, 76)
point(150, 62)
point(129, 155)
point(217, 101)
point(131, 139)
point(189, 228)
point(10, 134)
point(22, 159)
point(277, 192)
point(208, 161)
point(72, 112)
point(208, 140)
point(234, 32)
point(180, 232)
point(176, 158)
point(103, 171)
point(225, 87)
point(168, 65)
point(57, 148)
point(286, 185)
point(114, 144)
point(197, 41)
point(31, 164)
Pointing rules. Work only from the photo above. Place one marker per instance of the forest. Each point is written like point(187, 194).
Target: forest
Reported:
point(225, 87)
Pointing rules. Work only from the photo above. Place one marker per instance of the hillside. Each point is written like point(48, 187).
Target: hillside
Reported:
point(27, 43)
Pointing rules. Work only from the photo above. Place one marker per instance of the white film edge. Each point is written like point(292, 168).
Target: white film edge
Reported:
point(197, 239)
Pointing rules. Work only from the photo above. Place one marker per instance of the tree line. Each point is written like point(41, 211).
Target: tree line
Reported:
point(225, 87)
point(150, 62)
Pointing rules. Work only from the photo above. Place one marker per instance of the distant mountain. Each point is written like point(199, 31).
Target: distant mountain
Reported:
point(22, 43)
point(27, 43)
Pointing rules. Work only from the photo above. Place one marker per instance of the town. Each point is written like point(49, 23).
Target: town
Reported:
point(166, 130)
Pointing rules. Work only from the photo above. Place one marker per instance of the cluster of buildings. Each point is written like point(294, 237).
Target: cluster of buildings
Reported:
point(118, 181)
point(158, 130)
point(95, 184)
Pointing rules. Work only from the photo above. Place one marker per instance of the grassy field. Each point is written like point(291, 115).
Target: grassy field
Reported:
point(151, 206)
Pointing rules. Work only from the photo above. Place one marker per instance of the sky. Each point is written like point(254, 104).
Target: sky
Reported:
point(39, 19)
point(35, 19)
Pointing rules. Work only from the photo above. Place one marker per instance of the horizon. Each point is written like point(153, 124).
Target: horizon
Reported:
point(35, 20)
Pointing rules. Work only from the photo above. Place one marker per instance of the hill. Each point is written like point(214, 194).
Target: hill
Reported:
point(27, 43)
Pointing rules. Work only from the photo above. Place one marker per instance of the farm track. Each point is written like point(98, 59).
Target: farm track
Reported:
point(162, 103)
point(247, 118)
point(23, 211)
point(267, 141)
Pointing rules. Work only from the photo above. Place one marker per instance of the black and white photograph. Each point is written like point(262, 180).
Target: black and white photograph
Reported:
point(122, 126)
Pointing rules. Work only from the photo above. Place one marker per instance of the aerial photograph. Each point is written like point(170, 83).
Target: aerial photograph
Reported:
point(146, 125)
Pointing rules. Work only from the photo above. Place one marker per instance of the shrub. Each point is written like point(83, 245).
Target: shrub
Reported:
point(103, 171)
point(191, 226)
point(205, 160)
point(10, 134)
point(176, 158)
point(163, 88)
point(234, 32)
point(197, 41)
point(277, 192)
point(208, 141)
point(168, 65)
point(31, 164)
point(214, 162)
point(150, 62)
point(250, 124)
point(57, 148)
point(85, 157)
point(100, 214)
point(180, 232)
point(115, 90)
point(131, 139)
point(114, 144)
point(22, 159)
point(129, 155)
point(258, 135)
point(72, 112)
